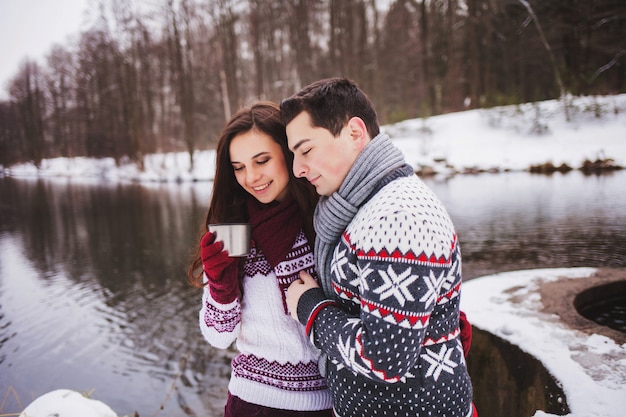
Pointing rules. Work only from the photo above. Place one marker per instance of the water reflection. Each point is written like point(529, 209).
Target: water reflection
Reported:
point(519, 221)
point(93, 292)
point(93, 296)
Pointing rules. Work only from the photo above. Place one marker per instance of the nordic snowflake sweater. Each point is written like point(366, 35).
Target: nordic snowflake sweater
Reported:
point(390, 329)
point(275, 366)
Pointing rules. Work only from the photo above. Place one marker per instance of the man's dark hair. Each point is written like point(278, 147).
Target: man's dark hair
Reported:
point(331, 103)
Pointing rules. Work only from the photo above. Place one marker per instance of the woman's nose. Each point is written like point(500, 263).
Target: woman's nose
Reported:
point(252, 174)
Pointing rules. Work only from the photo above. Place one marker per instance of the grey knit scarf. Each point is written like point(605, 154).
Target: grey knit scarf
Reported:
point(379, 163)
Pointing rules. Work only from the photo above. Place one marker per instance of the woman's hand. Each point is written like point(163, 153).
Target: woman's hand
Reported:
point(214, 258)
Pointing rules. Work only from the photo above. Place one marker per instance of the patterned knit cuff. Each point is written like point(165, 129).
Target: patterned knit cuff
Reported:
point(310, 304)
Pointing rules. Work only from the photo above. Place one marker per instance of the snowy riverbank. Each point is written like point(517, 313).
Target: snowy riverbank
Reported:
point(509, 138)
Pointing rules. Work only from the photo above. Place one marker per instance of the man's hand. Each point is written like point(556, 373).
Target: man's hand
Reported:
point(296, 289)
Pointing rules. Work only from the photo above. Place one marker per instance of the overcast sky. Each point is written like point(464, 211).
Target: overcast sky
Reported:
point(29, 28)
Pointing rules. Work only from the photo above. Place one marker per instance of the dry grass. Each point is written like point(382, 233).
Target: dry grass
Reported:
point(7, 395)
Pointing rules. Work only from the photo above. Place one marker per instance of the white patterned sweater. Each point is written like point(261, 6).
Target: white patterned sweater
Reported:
point(392, 337)
point(275, 366)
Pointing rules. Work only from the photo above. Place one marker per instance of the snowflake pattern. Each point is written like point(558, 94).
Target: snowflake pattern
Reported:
point(439, 362)
point(339, 261)
point(432, 283)
point(450, 278)
point(358, 275)
point(396, 285)
point(350, 356)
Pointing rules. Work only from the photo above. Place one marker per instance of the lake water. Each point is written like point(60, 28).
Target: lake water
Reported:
point(92, 277)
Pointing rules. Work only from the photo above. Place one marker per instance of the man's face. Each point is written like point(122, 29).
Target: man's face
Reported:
point(323, 159)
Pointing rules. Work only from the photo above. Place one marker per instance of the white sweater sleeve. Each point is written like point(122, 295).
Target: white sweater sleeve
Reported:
point(219, 323)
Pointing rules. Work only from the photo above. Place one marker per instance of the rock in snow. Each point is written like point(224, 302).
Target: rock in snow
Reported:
point(67, 403)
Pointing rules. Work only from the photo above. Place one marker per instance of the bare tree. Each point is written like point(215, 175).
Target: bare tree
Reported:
point(400, 54)
point(225, 20)
point(348, 37)
point(300, 15)
point(182, 70)
point(555, 67)
point(10, 151)
point(26, 93)
point(133, 85)
point(452, 92)
point(59, 85)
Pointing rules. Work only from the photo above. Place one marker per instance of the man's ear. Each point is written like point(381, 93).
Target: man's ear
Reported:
point(358, 133)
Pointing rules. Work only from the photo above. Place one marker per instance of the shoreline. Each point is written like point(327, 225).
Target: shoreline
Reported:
point(534, 310)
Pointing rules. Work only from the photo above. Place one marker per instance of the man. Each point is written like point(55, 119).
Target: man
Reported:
point(386, 318)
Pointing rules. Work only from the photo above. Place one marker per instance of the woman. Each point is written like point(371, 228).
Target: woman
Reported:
point(275, 372)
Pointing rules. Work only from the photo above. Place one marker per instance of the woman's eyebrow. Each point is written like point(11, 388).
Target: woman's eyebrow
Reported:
point(253, 156)
point(260, 154)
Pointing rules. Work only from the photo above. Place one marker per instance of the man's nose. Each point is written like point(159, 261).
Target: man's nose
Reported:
point(299, 169)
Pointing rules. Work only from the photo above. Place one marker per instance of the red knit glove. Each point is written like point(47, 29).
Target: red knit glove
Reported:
point(220, 269)
point(466, 333)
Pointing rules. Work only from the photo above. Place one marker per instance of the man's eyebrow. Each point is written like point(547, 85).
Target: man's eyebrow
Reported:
point(300, 143)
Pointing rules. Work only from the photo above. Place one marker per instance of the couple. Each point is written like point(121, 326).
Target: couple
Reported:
point(370, 271)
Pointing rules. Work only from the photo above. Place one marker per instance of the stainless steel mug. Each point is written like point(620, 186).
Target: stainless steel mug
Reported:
point(236, 237)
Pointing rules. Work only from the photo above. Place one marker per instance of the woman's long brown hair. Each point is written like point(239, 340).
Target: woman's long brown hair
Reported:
point(228, 198)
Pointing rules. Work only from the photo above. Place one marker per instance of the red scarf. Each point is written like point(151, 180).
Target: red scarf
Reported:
point(275, 227)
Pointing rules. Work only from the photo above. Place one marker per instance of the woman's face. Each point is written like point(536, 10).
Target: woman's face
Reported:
point(259, 166)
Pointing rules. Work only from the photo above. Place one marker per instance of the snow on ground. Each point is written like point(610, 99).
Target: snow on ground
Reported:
point(66, 403)
point(591, 369)
point(516, 137)
point(507, 138)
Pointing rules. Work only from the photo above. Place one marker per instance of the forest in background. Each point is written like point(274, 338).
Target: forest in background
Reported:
point(165, 77)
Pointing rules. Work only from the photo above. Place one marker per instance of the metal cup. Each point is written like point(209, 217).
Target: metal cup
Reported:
point(236, 237)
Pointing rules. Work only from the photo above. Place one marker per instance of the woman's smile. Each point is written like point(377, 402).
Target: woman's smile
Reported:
point(261, 187)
